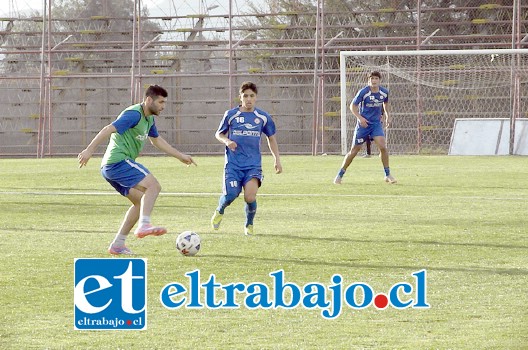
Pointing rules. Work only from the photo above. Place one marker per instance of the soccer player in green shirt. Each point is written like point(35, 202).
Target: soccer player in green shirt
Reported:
point(128, 134)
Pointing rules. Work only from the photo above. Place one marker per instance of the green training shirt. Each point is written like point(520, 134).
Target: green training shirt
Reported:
point(130, 137)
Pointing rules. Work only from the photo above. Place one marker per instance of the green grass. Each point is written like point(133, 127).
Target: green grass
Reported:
point(463, 219)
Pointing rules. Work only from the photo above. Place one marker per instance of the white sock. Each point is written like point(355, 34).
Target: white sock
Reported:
point(119, 240)
point(144, 220)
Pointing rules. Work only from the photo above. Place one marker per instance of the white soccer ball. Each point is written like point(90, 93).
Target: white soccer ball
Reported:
point(188, 243)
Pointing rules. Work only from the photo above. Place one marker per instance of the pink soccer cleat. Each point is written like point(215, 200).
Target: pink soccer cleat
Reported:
point(149, 230)
point(116, 250)
point(391, 180)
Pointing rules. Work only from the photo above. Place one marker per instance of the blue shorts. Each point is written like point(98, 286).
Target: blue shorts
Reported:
point(236, 179)
point(372, 130)
point(124, 175)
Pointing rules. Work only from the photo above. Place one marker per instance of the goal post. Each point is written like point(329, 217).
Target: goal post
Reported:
point(429, 89)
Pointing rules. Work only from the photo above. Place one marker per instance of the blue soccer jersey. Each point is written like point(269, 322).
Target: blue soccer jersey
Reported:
point(371, 103)
point(245, 128)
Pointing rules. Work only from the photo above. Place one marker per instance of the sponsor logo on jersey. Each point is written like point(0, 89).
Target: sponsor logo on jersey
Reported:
point(246, 133)
point(142, 137)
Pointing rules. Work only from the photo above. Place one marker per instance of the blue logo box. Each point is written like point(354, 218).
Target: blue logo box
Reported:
point(110, 294)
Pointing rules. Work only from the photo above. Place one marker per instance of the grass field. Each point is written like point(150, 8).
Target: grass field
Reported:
point(463, 219)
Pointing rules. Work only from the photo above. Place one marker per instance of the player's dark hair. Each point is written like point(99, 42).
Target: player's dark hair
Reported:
point(248, 85)
point(154, 91)
point(375, 74)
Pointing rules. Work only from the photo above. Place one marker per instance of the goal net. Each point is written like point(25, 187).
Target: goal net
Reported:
point(429, 89)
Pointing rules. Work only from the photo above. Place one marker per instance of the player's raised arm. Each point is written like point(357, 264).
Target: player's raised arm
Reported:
point(161, 144)
point(87, 153)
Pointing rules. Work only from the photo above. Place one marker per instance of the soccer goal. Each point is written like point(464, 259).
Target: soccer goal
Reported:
point(429, 89)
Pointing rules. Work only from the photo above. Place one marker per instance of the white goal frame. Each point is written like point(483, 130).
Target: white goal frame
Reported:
point(345, 143)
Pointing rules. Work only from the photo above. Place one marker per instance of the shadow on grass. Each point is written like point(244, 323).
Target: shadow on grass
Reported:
point(123, 204)
point(392, 241)
point(53, 230)
point(306, 262)
point(458, 187)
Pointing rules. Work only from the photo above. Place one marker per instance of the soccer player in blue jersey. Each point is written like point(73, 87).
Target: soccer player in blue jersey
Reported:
point(128, 134)
point(240, 130)
point(368, 106)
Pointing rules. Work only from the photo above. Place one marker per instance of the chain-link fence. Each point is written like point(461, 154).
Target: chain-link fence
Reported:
point(65, 76)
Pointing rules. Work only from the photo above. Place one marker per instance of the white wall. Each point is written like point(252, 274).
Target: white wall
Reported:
point(488, 137)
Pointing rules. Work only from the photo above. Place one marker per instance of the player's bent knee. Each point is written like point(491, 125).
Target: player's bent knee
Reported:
point(250, 198)
point(150, 183)
point(155, 186)
point(231, 196)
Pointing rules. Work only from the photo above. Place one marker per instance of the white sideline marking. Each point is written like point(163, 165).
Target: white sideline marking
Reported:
point(209, 194)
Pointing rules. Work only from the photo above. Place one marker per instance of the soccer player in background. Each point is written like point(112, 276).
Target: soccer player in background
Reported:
point(128, 134)
point(240, 130)
point(368, 106)
point(368, 151)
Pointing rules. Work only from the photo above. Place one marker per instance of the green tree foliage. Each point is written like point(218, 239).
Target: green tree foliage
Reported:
point(374, 25)
point(87, 36)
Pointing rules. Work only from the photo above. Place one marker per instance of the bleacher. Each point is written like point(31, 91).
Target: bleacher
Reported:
point(92, 69)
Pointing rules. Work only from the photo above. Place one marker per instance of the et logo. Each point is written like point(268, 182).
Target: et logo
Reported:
point(110, 294)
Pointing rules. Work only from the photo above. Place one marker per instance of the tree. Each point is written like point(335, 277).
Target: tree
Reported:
point(93, 35)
